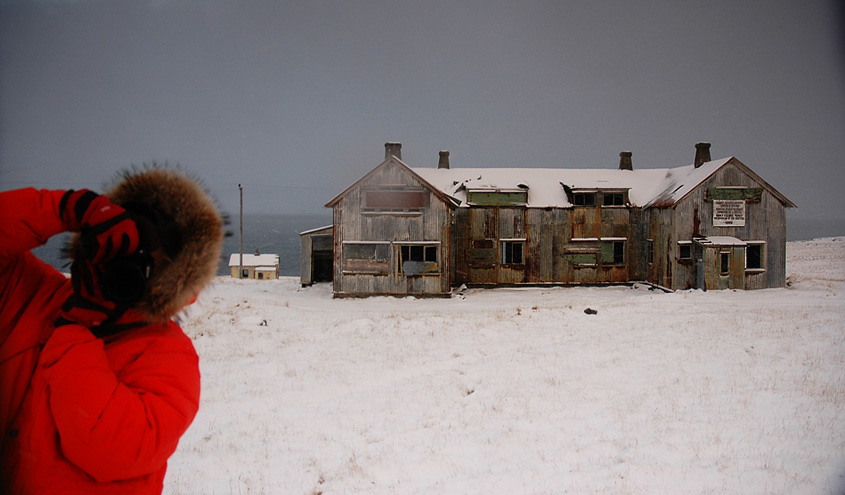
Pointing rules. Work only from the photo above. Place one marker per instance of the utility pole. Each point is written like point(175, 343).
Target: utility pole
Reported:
point(241, 262)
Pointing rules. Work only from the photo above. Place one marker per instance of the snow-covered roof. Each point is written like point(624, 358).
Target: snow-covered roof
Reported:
point(260, 260)
point(318, 229)
point(546, 185)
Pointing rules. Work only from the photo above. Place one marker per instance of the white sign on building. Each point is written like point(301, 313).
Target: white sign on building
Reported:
point(729, 213)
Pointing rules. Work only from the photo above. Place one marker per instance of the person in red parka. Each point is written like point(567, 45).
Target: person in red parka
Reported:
point(97, 380)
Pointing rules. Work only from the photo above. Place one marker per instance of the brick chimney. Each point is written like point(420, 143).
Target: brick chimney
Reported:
point(625, 162)
point(444, 160)
point(702, 153)
point(392, 149)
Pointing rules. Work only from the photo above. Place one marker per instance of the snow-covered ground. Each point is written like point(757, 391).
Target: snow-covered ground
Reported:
point(518, 391)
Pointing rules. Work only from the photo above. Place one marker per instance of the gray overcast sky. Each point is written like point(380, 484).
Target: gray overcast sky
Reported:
point(296, 99)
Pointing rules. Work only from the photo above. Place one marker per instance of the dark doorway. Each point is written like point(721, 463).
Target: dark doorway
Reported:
point(322, 266)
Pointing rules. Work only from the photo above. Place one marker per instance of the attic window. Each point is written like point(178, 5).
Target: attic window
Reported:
point(498, 197)
point(613, 199)
point(394, 201)
point(584, 199)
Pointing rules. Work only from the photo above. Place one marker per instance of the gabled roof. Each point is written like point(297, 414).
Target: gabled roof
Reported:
point(547, 186)
point(396, 161)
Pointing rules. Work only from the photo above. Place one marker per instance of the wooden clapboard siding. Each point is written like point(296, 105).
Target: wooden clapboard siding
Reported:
point(692, 216)
point(428, 225)
point(563, 244)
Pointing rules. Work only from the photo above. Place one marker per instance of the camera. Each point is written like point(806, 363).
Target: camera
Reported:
point(124, 279)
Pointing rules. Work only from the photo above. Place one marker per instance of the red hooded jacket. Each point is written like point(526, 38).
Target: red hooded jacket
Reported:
point(80, 414)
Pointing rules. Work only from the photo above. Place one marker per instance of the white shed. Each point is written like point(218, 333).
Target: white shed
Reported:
point(256, 266)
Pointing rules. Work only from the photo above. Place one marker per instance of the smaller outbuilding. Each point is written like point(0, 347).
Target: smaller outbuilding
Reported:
point(255, 266)
point(316, 262)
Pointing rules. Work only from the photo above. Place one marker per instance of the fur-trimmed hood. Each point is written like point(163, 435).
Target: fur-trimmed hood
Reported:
point(193, 235)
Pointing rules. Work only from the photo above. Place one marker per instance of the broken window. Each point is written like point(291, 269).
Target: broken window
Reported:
point(755, 256)
point(725, 263)
point(613, 252)
point(584, 199)
point(684, 250)
point(512, 252)
point(366, 257)
point(418, 259)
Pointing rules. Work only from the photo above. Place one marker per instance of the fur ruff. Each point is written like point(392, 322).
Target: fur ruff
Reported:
point(199, 223)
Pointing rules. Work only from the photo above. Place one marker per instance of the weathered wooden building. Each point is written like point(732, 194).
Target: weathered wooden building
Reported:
point(420, 231)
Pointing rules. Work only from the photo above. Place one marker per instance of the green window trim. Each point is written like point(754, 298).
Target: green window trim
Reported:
point(497, 197)
point(749, 194)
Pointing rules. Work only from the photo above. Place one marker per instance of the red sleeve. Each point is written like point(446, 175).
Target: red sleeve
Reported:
point(28, 217)
point(117, 427)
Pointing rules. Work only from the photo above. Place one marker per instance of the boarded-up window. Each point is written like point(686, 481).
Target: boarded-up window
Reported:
point(482, 254)
point(497, 197)
point(749, 194)
point(366, 257)
point(581, 259)
point(418, 259)
point(395, 200)
point(583, 252)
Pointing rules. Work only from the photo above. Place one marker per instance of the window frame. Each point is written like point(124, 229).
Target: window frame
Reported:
point(685, 245)
point(761, 245)
point(366, 209)
point(405, 252)
point(616, 258)
point(480, 196)
point(581, 249)
point(378, 265)
point(583, 195)
point(620, 195)
point(724, 266)
point(506, 251)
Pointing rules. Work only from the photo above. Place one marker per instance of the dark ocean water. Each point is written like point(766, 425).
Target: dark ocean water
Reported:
point(270, 234)
point(279, 234)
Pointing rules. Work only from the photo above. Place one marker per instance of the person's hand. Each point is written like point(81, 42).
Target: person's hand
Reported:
point(106, 229)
